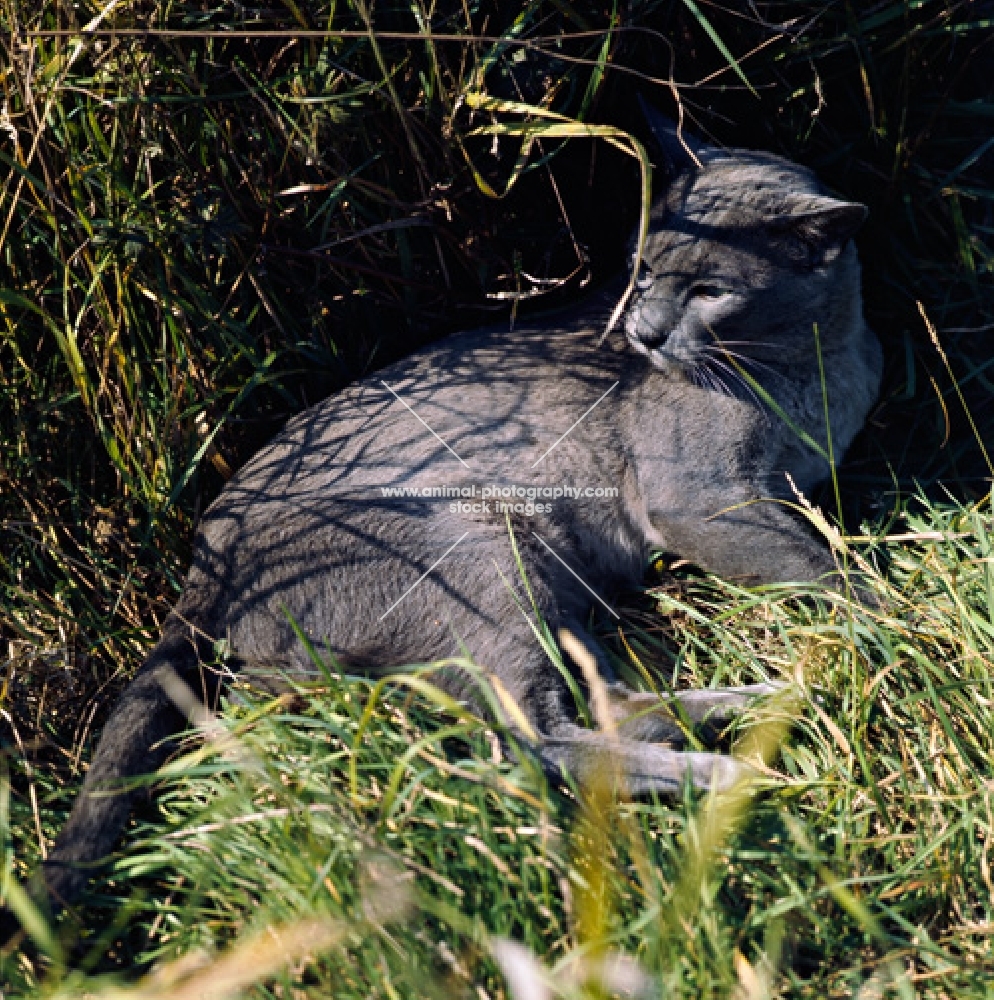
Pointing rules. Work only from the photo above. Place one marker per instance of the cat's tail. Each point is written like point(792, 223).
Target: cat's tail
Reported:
point(135, 742)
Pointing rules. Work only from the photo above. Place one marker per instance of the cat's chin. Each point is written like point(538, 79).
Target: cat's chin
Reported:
point(661, 359)
point(674, 371)
point(671, 367)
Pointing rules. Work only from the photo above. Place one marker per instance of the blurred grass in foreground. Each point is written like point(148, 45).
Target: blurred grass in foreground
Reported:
point(862, 863)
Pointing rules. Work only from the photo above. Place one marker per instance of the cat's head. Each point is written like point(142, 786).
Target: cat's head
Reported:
point(745, 254)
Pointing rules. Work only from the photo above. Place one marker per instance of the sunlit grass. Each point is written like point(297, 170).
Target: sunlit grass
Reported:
point(861, 858)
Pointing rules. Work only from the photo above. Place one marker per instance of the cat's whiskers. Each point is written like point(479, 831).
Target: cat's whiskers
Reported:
point(735, 376)
point(738, 377)
point(738, 358)
point(742, 343)
point(716, 380)
point(706, 377)
point(744, 356)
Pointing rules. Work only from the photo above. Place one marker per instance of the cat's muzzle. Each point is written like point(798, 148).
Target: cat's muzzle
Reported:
point(653, 344)
point(643, 336)
point(650, 323)
point(657, 346)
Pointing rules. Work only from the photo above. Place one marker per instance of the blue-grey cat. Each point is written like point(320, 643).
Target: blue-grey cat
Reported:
point(654, 438)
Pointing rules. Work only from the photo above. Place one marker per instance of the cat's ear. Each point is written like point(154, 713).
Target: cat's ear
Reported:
point(679, 149)
point(815, 233)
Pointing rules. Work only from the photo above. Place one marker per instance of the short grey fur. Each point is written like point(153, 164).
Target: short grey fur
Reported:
point(746, 255)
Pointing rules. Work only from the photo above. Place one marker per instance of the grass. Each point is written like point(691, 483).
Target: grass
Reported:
point(864, 860)
point(201, 235)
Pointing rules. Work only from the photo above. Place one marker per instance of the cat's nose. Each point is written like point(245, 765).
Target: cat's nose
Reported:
point(650, 338)
point(650, 323)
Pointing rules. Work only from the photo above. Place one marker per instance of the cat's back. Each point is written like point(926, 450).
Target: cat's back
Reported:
point(473, 405)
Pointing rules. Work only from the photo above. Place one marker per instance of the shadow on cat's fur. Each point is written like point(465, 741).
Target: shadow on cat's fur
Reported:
point(676, 435)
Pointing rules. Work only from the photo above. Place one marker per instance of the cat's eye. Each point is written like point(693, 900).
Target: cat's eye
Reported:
point(709, 293)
